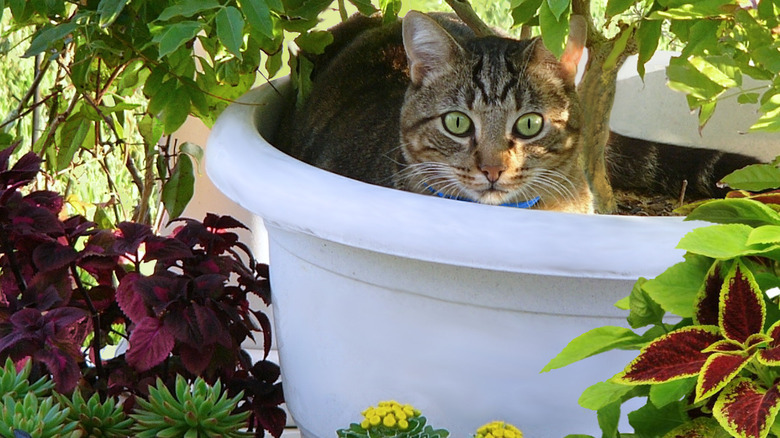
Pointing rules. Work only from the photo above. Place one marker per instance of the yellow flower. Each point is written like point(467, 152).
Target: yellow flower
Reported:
point(390, 414)
point(498, 429)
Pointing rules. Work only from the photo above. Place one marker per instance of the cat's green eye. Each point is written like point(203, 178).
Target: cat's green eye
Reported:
point(529, 125)
point(457, 123)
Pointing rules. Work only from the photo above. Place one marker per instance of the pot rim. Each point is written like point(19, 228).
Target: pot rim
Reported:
point(292, 195)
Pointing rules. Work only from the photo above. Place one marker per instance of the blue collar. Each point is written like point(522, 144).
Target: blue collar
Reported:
point(524, 204)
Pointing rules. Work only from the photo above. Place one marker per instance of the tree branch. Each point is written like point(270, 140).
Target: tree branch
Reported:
point(466, 13)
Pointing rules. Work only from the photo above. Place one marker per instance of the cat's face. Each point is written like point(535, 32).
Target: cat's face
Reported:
point(493, 120)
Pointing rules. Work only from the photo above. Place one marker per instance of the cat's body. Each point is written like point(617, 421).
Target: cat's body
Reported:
point(425, 106)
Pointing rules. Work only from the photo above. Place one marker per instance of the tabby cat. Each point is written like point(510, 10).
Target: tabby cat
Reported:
point(425, 106)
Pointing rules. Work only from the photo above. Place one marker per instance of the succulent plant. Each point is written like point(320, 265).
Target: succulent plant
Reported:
point(39, 418)
point(197, 410)
point(390, 419)
point(17, 384)
point(96, 419)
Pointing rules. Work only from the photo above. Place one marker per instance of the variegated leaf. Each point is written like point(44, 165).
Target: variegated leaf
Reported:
point(702, 427)
point(741, 310)
point(717, 372)
point(708, 300)
point(675, 355)
point(771, 355)
point(746, 409)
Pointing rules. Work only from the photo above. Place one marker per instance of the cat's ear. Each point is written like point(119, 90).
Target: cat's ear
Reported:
point(430, 49)
point(578, 34)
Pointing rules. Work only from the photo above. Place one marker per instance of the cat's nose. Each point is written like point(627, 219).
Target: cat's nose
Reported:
point(492, 173)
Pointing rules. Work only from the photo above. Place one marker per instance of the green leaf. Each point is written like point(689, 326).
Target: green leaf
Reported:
point(72, 135)
point(187, 9)
point(524, 10)
point(723, 241)
point(686, 78)
point(615, 7)
point(258, 14)
point(647, 37)
point(766, 234)
point(662, 394)
point(178, 190)
point(151, 131)
point(643, 310)
point(390, 9)
point(48, 37)
point(192, 150)
point(364, 6)
point(706, 110)
point(618, 48)
point(109, 10)
point(748, 98)
point(770, 119)
point(558, 7)
point(314, 42)
point(230, 30)
point(608, 418)
point(694, 10)
point(735, 211)
point(676, 289)
point(720, 69)
point(603, 394)
point(174, 36)
point(176, 110)
point(554, 30)
point(594, 342)
point(650, 420)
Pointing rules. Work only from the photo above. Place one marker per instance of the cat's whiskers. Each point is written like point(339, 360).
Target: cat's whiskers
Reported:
point(552, 182)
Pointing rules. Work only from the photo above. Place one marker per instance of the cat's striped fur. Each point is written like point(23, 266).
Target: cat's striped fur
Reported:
point(426, 107)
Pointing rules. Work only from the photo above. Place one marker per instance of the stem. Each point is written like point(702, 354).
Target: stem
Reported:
point(343, 10)
point(95, 327)
point(466, 13)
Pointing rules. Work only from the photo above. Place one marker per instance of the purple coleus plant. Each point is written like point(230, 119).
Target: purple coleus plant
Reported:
point(181, 302)
point(727, 339)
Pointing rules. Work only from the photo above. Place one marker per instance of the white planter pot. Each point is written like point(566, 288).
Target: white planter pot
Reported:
point(450, 306)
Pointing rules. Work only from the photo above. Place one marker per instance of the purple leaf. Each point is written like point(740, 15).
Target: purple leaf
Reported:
point(51, 201)
point(130, 301)
point(53, 255)
point(130, 236)
point(150, 344)
point(195, 360)
point(166, 249)
point(63, 368)
point(709, 299)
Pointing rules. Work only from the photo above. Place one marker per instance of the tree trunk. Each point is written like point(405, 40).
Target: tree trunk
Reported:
point(597, 95)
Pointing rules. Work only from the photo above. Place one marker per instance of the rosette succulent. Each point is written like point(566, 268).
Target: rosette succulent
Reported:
point(17, 384)
point(195, 411)
point(96, 419)
point(38, 418)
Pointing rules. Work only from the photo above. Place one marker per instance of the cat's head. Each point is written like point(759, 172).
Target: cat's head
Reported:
point(491, 119)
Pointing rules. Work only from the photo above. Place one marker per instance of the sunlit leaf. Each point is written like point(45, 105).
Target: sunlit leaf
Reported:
point(554, 29)
point(594, 342)
point(603, 394)
point(736, 211)
point(721, 242)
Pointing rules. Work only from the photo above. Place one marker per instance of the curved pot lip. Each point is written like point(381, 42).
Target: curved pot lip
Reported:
point(292, 195)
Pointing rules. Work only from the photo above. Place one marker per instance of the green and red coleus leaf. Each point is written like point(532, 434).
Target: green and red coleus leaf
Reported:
point(746, 409)
point(708, 300)
point(771, 354)
point(741, 310)
point(676, 355)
